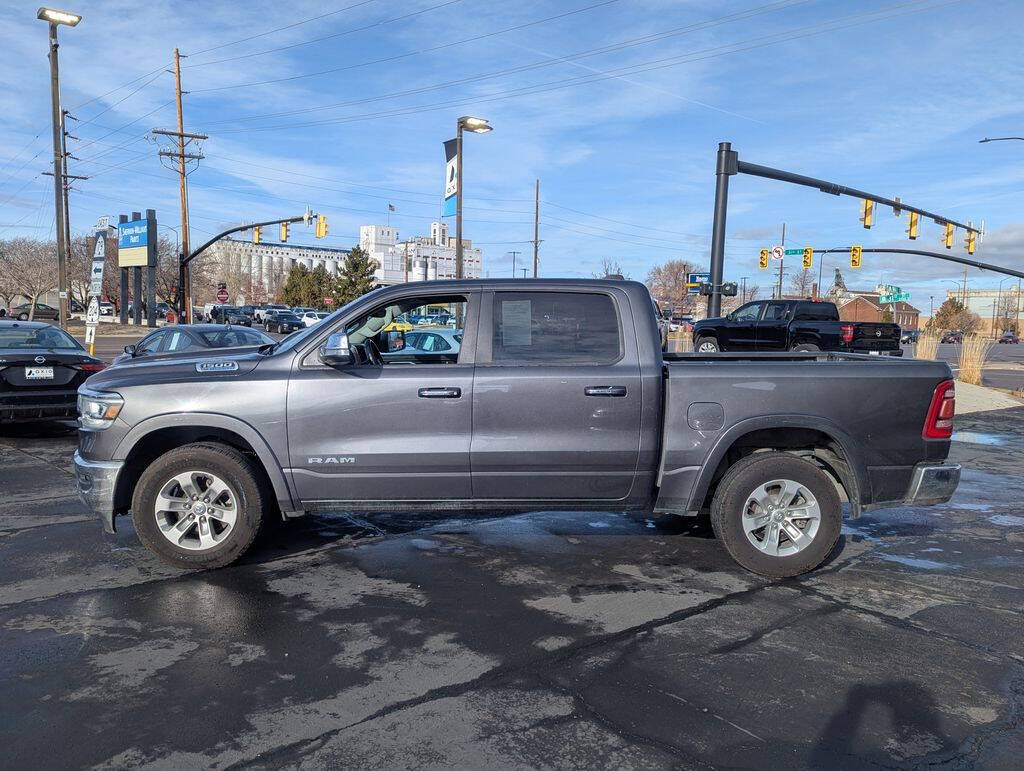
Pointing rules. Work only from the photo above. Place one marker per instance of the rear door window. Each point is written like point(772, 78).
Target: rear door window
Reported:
point(555, 328)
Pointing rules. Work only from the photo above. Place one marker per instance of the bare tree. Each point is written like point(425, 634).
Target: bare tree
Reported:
point(610, 267)
point(668, 282)
point(802, 283)
point(1007, 314)
point(29, 268)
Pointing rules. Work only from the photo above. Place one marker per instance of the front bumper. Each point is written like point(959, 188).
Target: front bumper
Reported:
point(95, 482)
point(932, 484)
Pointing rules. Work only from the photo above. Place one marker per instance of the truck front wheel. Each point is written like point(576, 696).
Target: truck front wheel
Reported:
point(706, 345)
point(199, 506)
point(777, 515)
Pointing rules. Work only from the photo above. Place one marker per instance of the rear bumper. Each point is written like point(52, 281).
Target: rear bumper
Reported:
point(95, 482)
point(932, 483)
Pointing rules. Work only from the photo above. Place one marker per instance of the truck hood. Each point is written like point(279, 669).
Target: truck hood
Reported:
point(185, 368)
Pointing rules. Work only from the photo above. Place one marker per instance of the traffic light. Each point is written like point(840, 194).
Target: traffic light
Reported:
point(284, 232)
point(971, 238)
point(855, 256)
point(808, 257)
point(947, 239)
point(912, 225)
point(256, 237)
point(321, 226)
point(763, 262)
point(867, 212)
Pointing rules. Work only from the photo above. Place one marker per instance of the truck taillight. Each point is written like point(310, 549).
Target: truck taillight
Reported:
point(846, 330)
point(939, 423)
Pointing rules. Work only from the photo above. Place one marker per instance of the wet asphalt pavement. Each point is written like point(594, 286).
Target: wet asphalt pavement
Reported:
point(544, 640)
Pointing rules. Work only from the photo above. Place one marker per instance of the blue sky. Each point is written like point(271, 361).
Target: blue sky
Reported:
point(617, 107)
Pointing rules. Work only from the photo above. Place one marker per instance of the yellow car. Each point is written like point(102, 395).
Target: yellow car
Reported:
point(401, 324)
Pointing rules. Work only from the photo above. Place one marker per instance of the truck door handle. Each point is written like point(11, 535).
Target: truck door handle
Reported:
point(440, 393)
point(605, 390)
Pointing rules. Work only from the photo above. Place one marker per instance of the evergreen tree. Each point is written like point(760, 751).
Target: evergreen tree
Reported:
point(355, 278)
point(319, 285)
point(296, 287)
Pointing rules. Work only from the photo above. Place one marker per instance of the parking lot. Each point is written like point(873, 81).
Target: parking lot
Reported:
point(549, 639)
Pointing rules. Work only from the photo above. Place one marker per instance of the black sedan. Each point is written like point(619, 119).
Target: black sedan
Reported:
point(192, 339)
point(283, 323)
point(41, 367)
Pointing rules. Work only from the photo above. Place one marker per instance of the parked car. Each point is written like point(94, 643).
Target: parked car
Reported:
point(910, 336)
point(260, 314)
point(955, 338)
point(1008, 338)
point(248, 310)
point(229, 314)
point(559, 397)
point(41, 367)
point(793, 325)
point(192, 339)
point(43, 312)
point(309, 318)
point(298, 310)
point(434, 340)
point(106, 308)
point(283, 322)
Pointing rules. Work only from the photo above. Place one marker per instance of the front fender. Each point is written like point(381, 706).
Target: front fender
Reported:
point(264, 452)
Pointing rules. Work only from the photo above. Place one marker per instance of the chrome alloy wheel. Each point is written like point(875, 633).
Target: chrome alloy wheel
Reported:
point(196, 510)
point(781, 517)
point(707, 348)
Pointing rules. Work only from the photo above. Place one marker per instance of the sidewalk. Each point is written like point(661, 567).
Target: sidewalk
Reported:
point(972, 398)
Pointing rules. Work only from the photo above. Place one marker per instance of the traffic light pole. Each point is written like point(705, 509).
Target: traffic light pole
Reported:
point(184, 260)
point(936, 255)
point(728, 164)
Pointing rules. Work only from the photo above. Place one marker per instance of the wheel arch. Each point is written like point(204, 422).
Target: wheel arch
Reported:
point(817, 439)
point(153, 437)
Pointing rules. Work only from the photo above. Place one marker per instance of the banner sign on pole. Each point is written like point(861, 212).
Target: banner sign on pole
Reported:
point(694, 280)
point(451, 177)
point(98, 261)
point(133, 244)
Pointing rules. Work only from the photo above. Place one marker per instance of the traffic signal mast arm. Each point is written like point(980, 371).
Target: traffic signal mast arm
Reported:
point(937, 255)
point(743, 167)
point(307, 217)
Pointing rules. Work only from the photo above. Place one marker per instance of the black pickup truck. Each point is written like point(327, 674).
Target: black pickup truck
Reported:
point(794, 325)
point(558, 396)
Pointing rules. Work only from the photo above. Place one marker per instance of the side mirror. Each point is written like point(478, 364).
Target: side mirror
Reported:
point(336, 351)
point(394, 341)
point(130, 350)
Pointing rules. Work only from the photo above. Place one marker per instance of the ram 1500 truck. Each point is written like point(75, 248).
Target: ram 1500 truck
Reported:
point(552, 394)
point(794, 325)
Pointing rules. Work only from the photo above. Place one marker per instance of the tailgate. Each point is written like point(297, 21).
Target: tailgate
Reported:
point(875, 337)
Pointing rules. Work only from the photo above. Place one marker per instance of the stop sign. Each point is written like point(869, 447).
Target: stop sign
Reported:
point(222, 295)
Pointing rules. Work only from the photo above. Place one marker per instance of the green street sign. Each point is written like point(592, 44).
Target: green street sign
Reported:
point(896, 297)
point(791, 252)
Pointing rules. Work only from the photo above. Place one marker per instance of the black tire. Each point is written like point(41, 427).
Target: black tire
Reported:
point(253, 500)
point(747, 475)
point(806, 348)
point(706, 341)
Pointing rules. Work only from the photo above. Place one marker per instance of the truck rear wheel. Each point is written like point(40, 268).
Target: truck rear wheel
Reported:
point(199, 506)
point(777, 515)
point(806, 348)
point(706, 345)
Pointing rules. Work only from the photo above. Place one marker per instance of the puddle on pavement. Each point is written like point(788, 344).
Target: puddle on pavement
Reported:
point(917, 562)
point(980, 437)
point(1007, 519)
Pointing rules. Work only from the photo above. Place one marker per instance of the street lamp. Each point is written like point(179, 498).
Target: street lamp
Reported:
point(53, 17)
point(477, 126)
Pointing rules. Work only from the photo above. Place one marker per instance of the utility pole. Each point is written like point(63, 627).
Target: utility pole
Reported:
point(65, 186)
point(58, 179)
point(514, 254)
point(536, 225)
point(184, 272)
point(782, 262)
point(744, 296)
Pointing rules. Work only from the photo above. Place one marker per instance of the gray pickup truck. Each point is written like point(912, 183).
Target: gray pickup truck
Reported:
point(546, 394)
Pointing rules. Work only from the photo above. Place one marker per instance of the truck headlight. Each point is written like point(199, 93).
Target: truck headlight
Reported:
point(98, 410)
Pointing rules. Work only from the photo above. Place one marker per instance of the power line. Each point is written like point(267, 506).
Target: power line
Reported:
point(408, 54)
point(328, 37)
point(546, 62)
point(282, 28)
point(656, 64)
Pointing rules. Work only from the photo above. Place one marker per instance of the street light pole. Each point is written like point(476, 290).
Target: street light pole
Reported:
point(54, 17)
point(477, 126)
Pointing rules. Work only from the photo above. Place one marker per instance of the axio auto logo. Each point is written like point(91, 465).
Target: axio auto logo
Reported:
point(328, 459)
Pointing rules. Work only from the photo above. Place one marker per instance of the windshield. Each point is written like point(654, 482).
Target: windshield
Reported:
point(50, 338)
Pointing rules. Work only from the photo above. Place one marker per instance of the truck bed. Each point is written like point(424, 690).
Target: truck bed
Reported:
point(721, 402)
